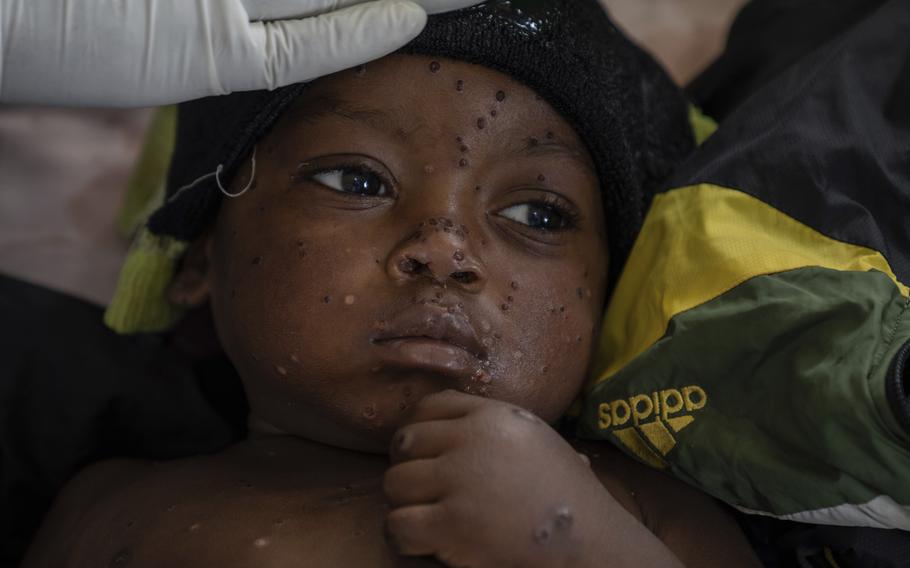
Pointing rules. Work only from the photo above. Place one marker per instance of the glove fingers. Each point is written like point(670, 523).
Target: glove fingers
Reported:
point(300, 50)
point(270, 10)
point(437, 6)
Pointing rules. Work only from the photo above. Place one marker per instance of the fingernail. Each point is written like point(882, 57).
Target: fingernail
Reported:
point(403, 441)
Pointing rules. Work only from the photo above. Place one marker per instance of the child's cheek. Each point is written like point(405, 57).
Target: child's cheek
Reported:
point(294, 309)
point(553, 328)
point(282, 285)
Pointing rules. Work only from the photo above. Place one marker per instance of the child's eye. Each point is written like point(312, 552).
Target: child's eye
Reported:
point(540, 216)
point(357, 181)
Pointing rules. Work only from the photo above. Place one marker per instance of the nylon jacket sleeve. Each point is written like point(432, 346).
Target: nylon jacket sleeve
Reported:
point(757, 342)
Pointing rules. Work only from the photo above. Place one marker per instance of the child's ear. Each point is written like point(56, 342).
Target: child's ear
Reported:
point(190, 287)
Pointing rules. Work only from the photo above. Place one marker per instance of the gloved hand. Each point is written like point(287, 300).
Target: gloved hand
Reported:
point(153, 52)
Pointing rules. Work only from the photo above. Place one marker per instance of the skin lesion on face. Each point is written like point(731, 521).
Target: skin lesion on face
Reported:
point(402, 238)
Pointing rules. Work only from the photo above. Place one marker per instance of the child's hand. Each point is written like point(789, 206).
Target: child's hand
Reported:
point(478, 482)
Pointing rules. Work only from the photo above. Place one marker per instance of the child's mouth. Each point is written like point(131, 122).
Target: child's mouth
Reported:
point(431, 339)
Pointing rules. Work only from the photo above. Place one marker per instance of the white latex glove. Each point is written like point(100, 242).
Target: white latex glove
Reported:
point(153, 52)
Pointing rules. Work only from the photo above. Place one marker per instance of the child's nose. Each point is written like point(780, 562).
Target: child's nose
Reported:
point(440, 253)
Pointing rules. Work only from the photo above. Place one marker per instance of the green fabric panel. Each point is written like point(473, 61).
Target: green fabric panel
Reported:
point(793, 365)
point(146, 188)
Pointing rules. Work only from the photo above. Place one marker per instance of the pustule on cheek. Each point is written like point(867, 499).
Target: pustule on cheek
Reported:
point(482, 380)
point(369, 413)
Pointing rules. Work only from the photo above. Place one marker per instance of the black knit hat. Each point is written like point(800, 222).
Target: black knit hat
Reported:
point(624, 107)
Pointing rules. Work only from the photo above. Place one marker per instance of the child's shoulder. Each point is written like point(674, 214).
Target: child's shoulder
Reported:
point(690, 523)
point(253, 504)
point(78, 507)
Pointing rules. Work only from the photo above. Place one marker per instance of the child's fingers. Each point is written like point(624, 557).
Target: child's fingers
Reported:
point(424, 440)
point(412, 483)
point(445, 405)
point(413, 530)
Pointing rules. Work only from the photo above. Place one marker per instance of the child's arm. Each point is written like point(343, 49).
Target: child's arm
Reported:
point(477, 482)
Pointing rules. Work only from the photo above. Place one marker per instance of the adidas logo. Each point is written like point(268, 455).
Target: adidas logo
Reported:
point(646, 423)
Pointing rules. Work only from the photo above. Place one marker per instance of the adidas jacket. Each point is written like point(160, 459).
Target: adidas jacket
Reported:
point(758, 342)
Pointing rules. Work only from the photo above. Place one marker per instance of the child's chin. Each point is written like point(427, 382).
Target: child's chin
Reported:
point(360, 436)
point(342, 432)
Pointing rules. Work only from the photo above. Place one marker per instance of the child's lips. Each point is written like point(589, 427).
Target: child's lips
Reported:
point(432, 339)
point(426, 354)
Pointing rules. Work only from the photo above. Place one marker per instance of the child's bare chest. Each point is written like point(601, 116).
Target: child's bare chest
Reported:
point(247, 508)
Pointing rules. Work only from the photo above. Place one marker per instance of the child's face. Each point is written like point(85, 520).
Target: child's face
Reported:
point(414, 226)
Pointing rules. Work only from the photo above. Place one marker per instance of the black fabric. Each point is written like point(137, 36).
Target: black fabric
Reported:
point(763, 533)
point(73, 392)
point(828, 141)
point(623, 105)
point(849, 547)
point(898, 386)
point(787, 544)
point(766, 38)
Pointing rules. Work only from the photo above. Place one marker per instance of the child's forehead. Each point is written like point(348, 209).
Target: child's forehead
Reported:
point(413, 97)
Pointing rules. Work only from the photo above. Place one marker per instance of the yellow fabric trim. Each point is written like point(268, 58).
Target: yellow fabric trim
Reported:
point(140, 302)
point(146, 188)
point(659, 436)
point(829, 556)
point(633, 441)
point(735, 237)
point(703, 126)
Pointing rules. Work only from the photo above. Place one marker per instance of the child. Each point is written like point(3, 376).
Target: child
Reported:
point(437, 221)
